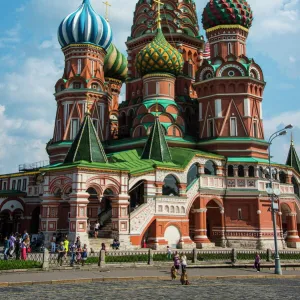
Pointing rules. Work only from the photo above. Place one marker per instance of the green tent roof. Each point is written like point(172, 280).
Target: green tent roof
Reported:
point(86, 145)
point(293, 159)
point(156, 147)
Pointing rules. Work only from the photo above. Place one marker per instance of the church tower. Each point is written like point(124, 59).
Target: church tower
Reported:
point(230, 85)
point(85, 37)
point(179, 26)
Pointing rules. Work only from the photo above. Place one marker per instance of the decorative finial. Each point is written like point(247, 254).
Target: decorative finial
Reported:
point(292, 139)
point(89, 106)
point(108, 5)
point(156, 108)
point(159, 3)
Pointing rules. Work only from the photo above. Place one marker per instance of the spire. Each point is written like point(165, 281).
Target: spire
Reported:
point(156, 147)
point(86, 145)
point(159, 3)
point(293, 159)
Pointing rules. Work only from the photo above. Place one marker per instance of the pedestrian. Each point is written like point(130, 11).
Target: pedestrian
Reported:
point(78, 255)
point(12, 242)
point(73, 249)
point(176, 260)
point(6, 248)
point(257, 262)
point(103, 247)
point(24, 249)
point(96, 229)
point(61, 253)
point(184, 278)
point(78, 243)
point(25, 235)
point(169, 253)
point(53, 243)
point(66, 245)
point(84, 254)
point(18, 247)
point(183, 261)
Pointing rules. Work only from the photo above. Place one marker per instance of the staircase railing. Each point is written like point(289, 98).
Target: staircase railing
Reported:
point(105, 216)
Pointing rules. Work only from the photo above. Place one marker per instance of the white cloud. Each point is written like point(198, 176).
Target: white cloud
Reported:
point(22, 141)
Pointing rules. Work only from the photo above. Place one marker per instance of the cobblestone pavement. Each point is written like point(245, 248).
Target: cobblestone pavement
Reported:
point(205, 289)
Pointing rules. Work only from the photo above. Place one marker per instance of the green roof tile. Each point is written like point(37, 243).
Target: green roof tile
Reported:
point(293, 159)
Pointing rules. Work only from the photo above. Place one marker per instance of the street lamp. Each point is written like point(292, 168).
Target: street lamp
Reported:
point(274, 194)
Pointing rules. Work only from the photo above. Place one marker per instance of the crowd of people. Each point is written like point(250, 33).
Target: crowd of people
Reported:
point(17, 246)
point(179, 261)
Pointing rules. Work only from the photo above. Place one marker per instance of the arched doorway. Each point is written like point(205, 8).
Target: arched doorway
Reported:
point(35, 221)
point(172, 236)
point(6, 225)
point(214, 222)
point(170, 187)
point(105, 214)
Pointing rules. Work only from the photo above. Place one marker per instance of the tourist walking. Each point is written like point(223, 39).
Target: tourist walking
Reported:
point(66, 245)
point(176, 260)
point(53, 243)
point(24, 244)
point(183, 261)
point(73, 249)
point(78, 242)
point(61, 253)
point(257, 262)
point(18, 247)
point(84, 254)
point(6, 248)
point(12, 244)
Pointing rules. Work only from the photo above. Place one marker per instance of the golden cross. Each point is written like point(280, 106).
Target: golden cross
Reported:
point(159, 3)
point(156, 108)
point(107, 4)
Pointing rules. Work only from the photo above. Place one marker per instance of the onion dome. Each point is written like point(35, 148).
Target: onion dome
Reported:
point(159, 56)
point(115, 64)
point(227, 12)
point(85, 26)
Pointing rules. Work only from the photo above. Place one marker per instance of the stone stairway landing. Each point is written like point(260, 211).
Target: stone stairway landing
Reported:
point(95, 244)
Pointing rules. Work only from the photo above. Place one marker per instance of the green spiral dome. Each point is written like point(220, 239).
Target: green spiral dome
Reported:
point(159, 56)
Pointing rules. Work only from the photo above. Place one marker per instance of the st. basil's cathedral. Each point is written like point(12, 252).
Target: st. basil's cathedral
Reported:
point(182, 161)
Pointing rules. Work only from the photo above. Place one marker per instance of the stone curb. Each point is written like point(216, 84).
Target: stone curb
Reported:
point(142, 278)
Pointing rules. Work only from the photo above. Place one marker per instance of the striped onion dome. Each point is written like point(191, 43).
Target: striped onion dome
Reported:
point(227, 12)
point(115, 64)
point(85, 26)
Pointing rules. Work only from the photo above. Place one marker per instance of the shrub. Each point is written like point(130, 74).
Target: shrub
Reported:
point(127, 258)
point(19, 264)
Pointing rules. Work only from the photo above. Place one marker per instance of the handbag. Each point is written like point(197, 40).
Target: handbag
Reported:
point(28, 250)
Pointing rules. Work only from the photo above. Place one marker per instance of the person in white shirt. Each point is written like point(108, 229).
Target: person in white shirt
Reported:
point(96, 229)
point(183, 261)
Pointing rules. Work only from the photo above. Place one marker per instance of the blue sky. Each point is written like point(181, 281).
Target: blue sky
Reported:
point(31, 62)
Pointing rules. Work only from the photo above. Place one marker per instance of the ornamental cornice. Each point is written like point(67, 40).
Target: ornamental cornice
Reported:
point(159, 75)
point(200, 210)
point(227, 27)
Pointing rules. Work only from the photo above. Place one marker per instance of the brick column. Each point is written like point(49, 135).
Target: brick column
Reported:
point(120, 219)
point(78, 217)
point(200, 237)
point(182, 189)
point(223, 240)
point(293, 239)
point(159, 186)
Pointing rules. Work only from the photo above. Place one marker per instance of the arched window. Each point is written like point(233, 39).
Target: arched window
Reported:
point(230, 171)
point(241, 171)
point(210, 168)
point(192, 174)
point(261, 172)
point(93, 193)
point(170, 187)
point(282, 177)
point(296, 186)
point(251, 171)
point(229, 45)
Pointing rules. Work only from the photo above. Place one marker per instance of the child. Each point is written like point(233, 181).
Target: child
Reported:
point(78, 255)
point(169, 253)
point(184, 278)
point(173, 273)
point(84, 254)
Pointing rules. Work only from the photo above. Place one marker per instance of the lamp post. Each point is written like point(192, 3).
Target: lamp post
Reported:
point(273, 195)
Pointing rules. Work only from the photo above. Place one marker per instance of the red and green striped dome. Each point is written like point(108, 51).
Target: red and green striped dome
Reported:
point(227, 12)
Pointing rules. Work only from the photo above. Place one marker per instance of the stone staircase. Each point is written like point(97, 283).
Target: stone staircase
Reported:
point(95, 244)
point(106, 230)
